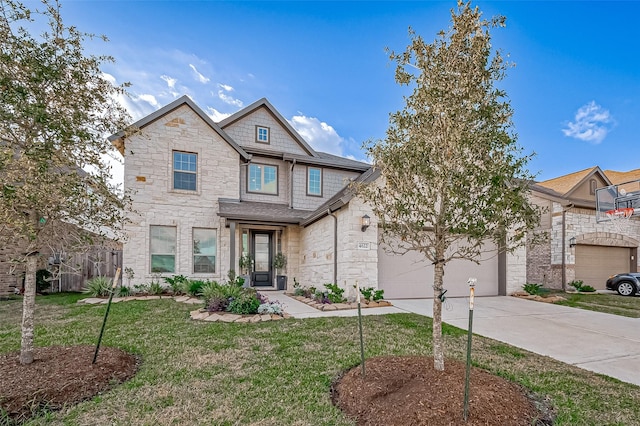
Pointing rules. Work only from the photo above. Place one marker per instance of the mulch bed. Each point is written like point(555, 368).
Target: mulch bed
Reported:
point(401, 391)
point(60, 376)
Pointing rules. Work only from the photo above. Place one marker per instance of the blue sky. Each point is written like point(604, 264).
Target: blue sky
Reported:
point(575, 88)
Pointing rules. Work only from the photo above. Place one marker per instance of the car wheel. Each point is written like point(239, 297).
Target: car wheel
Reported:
point(626, 288)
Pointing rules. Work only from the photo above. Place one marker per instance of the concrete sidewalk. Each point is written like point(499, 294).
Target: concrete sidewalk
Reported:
point(602, 343)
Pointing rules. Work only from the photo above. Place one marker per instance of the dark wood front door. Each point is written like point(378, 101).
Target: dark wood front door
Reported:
point(261, 243)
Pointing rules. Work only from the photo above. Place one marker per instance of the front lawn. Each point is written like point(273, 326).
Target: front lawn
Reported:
point(277, 373)
point(600, 302)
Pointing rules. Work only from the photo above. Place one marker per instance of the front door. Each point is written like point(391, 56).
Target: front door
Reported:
point(261, 243)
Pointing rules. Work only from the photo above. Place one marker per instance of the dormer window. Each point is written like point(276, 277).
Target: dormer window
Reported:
point(262, 134)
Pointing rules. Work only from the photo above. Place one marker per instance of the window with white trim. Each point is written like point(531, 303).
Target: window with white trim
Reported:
point(263, 178)
point(185, 166)
point(204, 250)
point(162, 248)
point(314, 181)
point(262, 134)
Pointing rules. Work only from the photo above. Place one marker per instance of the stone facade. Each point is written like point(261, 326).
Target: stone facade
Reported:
point(545, 262)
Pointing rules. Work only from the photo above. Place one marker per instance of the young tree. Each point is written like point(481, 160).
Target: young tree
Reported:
point(452, 176)
point(56, 107)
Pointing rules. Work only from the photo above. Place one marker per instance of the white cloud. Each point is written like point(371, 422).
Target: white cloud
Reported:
point(111, 79)
point(171, 82)
point(201, 78)
point(150, 99)
point(592, 123)
point(216, 115)
point(318, 134)
point(226, 98)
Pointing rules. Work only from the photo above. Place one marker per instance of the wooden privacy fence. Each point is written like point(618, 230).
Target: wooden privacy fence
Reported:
point(77, 269)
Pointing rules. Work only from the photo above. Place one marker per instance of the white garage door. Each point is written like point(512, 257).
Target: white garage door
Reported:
point(594, 264)
point(410, 276)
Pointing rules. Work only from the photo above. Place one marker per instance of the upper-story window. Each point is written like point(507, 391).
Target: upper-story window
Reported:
point(184, 170)
point(262, 134)
point(263, 178)
point(314, 181)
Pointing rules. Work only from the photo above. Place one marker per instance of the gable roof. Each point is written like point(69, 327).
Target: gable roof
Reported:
point(622, 177)
point(118, 139)
point(264, 103)
point(565, 185)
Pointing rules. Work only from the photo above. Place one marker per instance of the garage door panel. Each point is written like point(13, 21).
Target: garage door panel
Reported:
point(594, 264)
point(410, 276)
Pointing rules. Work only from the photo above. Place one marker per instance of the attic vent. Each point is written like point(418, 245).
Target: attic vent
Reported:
point(176, 122)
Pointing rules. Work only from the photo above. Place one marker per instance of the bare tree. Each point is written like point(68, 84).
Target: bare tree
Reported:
point(56, 107)
point(452, 175)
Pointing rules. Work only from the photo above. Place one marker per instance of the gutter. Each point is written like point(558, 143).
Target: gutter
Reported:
point(335, 246)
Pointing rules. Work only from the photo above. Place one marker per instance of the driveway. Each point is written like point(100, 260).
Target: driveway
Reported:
point(598, 342)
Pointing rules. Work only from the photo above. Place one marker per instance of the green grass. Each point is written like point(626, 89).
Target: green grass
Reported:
point(607, 303)
point(277, 373)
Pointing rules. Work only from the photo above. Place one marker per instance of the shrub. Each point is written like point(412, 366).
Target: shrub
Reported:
point(124, 291)
point(533, 289)
point(579, 286)
point(194, 287)
point(43, 281)
point(245, 304)
point(141, 288)
point(299, 292)
point(335, 294)
point(378, 295)
point(177, 283)
point(98, 287)
point(270, 308)
point(156, 288)
point(367, 293)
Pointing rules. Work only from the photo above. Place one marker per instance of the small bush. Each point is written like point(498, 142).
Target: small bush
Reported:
point(299, 292)
point(335, 294)
point(579, 286)
point(533, 289)
point(246, 304)
point(43, 280)
point(141, 288)
point(378, 295)
point(270, 308)
point(98, 287)
point(177, 283)
point(194, 287)
point(124, 291)
point(156, 288)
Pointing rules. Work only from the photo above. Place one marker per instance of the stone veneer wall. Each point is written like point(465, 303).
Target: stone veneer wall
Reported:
point(148, 172)
point(544, 262)
point(316, 250)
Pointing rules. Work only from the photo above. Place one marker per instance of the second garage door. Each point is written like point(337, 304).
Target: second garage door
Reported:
point(594, 264)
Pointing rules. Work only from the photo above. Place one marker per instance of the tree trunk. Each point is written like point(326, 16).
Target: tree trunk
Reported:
point(438, 344)
point(28, 310)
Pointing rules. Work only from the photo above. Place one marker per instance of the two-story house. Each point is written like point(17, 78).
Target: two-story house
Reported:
point(207, 193)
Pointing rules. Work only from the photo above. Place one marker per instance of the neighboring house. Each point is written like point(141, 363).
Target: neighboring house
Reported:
point(579, 248)
point(206, 193)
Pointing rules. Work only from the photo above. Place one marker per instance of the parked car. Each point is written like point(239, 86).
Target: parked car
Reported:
point(627, 284)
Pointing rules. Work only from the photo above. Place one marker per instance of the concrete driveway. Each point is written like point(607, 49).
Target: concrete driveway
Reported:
point(603, 343)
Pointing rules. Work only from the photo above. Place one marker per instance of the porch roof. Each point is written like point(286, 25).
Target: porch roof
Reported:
point(260, 212)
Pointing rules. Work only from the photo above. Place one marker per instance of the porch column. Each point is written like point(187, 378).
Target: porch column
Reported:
point(232, 245)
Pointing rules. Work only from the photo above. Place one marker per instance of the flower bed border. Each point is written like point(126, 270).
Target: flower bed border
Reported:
point(339, 306)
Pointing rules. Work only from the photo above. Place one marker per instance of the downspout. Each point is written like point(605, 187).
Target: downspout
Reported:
point(335, 246)
point(293, 163)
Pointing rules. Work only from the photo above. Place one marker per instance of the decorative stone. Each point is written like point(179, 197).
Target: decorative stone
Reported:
point(244, 320)
point(384, 303)
point(181, 298)
point(341, 306)
point(193, 301)
point(201, 315)
point(230, 317)
point(275, 317)
point(373, 304)
point(329, 308)
point(265, 317)
point(255, 318)
point(213, 318)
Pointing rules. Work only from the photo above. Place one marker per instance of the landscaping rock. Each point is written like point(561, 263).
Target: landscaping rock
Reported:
point(230, 317)
point(341, 306)
point(213, 318)
point(275, 317)
point(181, 298)
point(373, 304)
point(255, 318)
point(193, 301)
point(244, 320)
point(329, 308)
point(265, 317)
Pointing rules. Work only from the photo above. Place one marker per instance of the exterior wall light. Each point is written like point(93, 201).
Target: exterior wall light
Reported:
point(572, 242)
point(365, 221)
